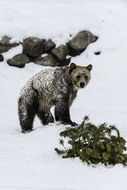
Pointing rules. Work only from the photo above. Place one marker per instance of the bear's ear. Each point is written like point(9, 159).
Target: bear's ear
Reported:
point(72, 67)
point(89, 67)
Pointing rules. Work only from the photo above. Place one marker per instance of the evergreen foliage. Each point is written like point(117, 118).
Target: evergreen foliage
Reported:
point(94, 144)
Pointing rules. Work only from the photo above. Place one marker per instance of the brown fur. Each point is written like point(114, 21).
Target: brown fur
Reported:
point(51, 87)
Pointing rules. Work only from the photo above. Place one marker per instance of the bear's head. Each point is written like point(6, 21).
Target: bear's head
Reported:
point(80, 76)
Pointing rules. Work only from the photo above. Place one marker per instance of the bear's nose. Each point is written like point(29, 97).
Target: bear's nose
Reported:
point(82, 84)
point(96, 37)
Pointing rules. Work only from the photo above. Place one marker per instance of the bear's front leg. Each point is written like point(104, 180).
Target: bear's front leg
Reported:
point(45, 117)
point(62, 113)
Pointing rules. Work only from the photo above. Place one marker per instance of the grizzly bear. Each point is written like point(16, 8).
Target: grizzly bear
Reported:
point(51, 87)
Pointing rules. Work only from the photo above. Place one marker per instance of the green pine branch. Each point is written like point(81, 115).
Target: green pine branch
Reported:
point(94, 144)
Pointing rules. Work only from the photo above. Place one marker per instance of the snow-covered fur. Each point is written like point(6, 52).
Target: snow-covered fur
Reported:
point(51, 87)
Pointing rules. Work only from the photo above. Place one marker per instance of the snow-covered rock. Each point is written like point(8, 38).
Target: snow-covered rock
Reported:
point(49, 45)
point(80, 42)
point(47, 60)
point(33, 47)
point(19, 60)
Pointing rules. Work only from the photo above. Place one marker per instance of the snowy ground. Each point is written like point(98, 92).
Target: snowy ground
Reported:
point(29, 162)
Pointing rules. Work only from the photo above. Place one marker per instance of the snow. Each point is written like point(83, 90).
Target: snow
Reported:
point(28, 161)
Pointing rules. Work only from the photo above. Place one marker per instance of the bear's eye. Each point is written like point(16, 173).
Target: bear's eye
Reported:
point(78, 77)
point(86, 77)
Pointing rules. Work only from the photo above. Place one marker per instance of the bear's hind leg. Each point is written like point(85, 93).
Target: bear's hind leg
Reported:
point(26, 116)
point(45, 117)
point(27, 124)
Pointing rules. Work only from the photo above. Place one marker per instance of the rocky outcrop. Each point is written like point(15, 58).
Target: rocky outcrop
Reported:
point(5, 44)
point(65, 62)
point(48, 60)
point(19, 60)
point(49, 45)
point(80, 42)
point(60, 52)
point(1, 57)
point(33, 47)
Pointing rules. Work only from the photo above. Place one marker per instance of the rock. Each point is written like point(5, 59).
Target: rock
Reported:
point(5, 44)
point(60, 52)
point(5, 40)
point(80, 42)
point(48, 60)
point(65, 62)
point(19, 60)
point(33, 47)
point(97, 52)
point(49, 45)
point(1, 57)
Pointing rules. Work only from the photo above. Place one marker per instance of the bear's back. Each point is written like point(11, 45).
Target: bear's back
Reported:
point(43, 80)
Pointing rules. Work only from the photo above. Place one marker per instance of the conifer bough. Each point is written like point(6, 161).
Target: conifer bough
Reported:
point(93, 144)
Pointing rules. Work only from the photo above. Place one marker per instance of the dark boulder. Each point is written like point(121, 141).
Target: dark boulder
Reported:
point(19, 60)
point(33, 47)
point(48, 60)
point(97, 52)
point(5, 44)
point(60, 53)
point(80, 42)
point(49, 45)
point(65, 62)
point(1, 57)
